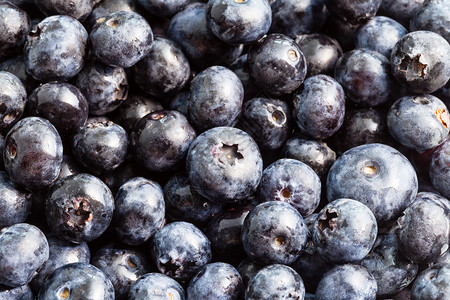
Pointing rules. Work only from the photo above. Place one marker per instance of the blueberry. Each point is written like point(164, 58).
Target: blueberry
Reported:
point(432, 283)
point(248, 269)
point(439, 171)
point(16, 66)
point(56, 49)
point(377, 175)
point(106, 7)
point(14, 98)
point(353, 12)
point(274, 232)
point(156, 286)
point(22, 292)
point(433, 16)
point(23, 250)
point(180, 250)
point(15, 25)
point(401, 10)
point(77, 281)
point(33, 153)
point(15, 202)
point(224, 164)
point(121, 39)
point(163, 8)
point(79, 10)
point(275, 282)
point(139, 211)
point(217, 280)
point(239, 67)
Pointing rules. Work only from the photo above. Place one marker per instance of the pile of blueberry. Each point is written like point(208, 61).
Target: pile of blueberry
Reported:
point(224, 149)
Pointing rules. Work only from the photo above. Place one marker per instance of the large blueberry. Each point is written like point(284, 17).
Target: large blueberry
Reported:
point(15, 25)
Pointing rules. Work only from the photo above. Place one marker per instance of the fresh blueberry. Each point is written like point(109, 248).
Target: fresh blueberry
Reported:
point(15, 202)
point(248, 269)
point(354, 12)
point(439, 170)
point(79, 10)
point(400, 10)
point(15, 25)
point(106, 7)
point(432, 283)
point(156, 286)
point(14, 98)
point(163, 8)
point(434, 16)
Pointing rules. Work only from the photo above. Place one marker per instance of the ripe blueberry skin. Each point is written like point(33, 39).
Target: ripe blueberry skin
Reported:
point(216, 96)
point(79, 10)
point(276, 64)
point(55, 50)
point(104, 8)
point(14, 98)
point(139, 211)
point(15, 202)
point(61, 252)
point(293, 17)
point(33, 153)
point(420, 61)
point(163, 8)
point(164, 71)
point(432, 283)
point(79, 208)
point(291, 181)
point(180, 250)
point(248, 269)
point(365, 76)
point(22, 292)
point(23, 250)
point(274, 232)
point(321, 53)
point(439, 171)
point(319, 107)
point(267, 120)
point(224, 164)
point(161, 140)
point(420, 122)
point(156, 286)
point(188, 28)
point(122, 266)
point(239, 22)
point(217, 280)
point(432, 16)
point(401, 10)
point(354, 12)
point(62, 104)
point(100, 146)
point(380, 34)
point(316, 154)
point(345, 231)
point(424, 227)
point(275, 281)
point(77, 281)
point(13, 34)
point(342, 31)
point(377, 175)
point(121, 39)
point(183, 203)
point(180, 102)
point(347, 282)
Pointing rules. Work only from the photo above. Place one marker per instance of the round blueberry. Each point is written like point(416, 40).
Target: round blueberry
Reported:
point(15, 202)
point(432, 283)
point(15, 25)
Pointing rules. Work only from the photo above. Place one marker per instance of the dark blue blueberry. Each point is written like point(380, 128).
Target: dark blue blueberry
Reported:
point(180, 250)
point(161, 140)
point(79, 10)
point(432, 284)
point(163, 8)
point(14, 98)
point(62, 104)
point(321, 53)
point(345, 282)
point(104, 87)
point(434, 16)
point(23, 250)
point(77, 281)
point(224, 164)
point(292, 181)
point(15, 25)
point(439, 170)
point(275, 282)
point(319, 107)
point(366, 78)
point(239, 21)
point(121, 39)
point(122, 266)
point(183, 203)
point(216, 98)
point(79, 208)
point(188, 28)
point(423, 234)
point(400, 10)
point(316, 154)
point(380, 34)
point(420, 61)
point(267, 120)
point(33, 153)
point(420, 122)
point(274, 232)
point(139, 211)
point(294, 17)
point(345, 231)
point(217, 280)
point(15, 202)
point(341, 31)
point(354, 12)
point(19, 293)
point(61, 252)
point(56, 49)
point(377, 175)
point(164, 71)
point(156, 286)
point(276, 64)
point(100, 146)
